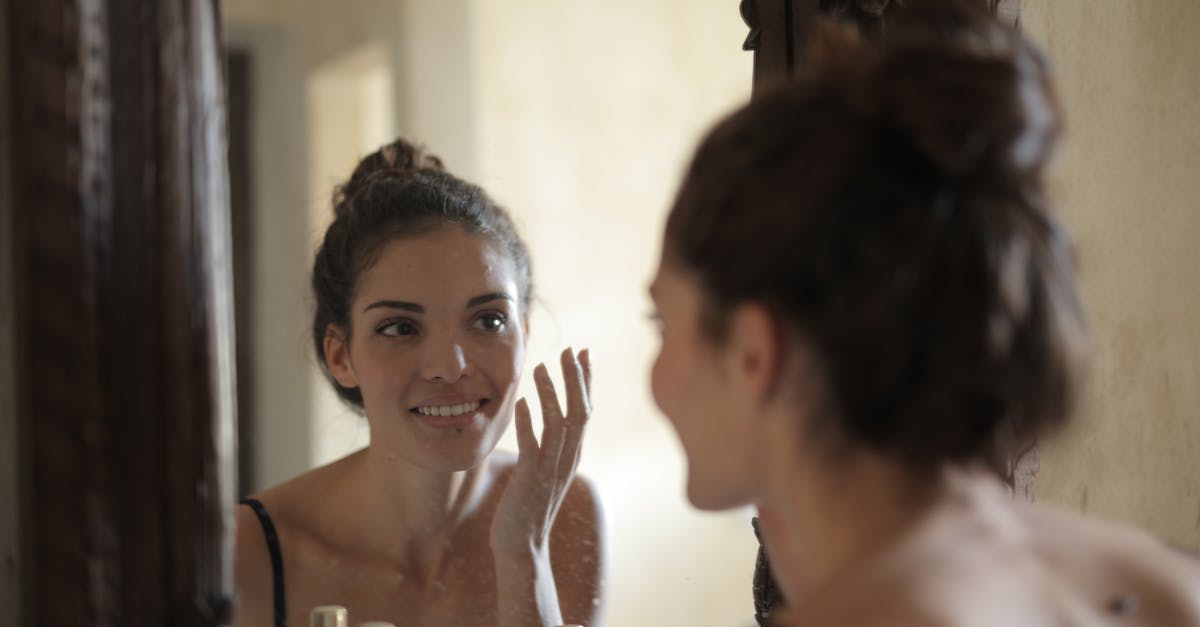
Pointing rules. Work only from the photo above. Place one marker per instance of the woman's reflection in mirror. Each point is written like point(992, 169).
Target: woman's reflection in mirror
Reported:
point(861, 282)
point(422, 288)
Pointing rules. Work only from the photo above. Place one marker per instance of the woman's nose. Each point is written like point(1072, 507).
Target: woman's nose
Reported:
point(444, 361)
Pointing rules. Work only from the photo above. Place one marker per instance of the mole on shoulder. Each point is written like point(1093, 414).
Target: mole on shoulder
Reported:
point(1123, 605)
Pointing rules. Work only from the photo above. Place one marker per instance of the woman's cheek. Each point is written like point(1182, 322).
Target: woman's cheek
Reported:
point(661, 384)
point(501, 360)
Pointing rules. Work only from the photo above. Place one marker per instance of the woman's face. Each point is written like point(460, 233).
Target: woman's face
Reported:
point(692, 385)
point(437, 346)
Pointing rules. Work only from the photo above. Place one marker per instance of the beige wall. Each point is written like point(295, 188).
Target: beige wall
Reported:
point(1128, 183)
point(588, 113)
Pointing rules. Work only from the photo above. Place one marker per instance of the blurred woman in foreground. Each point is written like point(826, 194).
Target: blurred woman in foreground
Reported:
point(862, 285)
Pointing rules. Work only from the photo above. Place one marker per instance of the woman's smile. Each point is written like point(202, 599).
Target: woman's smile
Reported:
point(451, 413)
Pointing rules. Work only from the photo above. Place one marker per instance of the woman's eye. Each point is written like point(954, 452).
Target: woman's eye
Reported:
point(397, 328)
point(492, 322)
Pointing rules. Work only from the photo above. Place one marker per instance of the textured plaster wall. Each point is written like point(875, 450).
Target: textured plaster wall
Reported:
point(1128, 184)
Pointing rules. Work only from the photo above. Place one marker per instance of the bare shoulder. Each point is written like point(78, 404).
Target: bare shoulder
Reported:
point(252, 570)
point(577, 553)
point(988, 558)
point(253, 577)
point(581, 508)
point(1136, 569)
point(285, 507)
point(291, 505)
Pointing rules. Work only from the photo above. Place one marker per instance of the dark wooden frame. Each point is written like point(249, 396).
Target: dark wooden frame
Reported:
point(120, 198)
point(778, 28)
point(11, 555)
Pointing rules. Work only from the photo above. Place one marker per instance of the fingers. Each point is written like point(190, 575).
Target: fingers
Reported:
point(552, 418)
point(562, 435)
point(578, 409)
point(577, 401)
point(527, 443)
point(585, 360)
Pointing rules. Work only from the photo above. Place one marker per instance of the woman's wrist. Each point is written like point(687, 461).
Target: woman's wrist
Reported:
point(520, 550)
point(527, 594)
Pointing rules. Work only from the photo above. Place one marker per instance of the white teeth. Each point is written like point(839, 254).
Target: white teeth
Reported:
point(448, 410)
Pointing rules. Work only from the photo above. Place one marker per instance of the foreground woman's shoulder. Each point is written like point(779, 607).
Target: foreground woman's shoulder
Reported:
point(1135, 574)
point(1026, 565)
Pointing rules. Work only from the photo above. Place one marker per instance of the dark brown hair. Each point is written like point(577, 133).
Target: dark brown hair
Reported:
point(397, 191)
point(889, 206)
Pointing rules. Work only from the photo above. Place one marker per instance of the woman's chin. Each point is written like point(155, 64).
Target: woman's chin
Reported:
point(711, 496)
point(441, 451)
point(448, 461)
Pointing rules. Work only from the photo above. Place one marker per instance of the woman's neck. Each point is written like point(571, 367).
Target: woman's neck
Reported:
point(823, 518)
point(408, 513)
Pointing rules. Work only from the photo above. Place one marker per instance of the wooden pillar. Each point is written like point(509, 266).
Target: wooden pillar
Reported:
point(10, 514)
point(124, 313)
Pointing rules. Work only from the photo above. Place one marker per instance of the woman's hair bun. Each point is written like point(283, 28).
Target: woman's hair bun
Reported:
point(397, 160)
point(959, 88)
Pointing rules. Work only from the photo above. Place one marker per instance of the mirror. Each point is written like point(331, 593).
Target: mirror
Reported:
point(579, 117)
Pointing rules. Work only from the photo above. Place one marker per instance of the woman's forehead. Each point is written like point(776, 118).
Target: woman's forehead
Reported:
point(447, 260)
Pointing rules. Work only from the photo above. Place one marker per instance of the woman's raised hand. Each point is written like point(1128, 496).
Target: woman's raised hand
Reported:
point(544, 470)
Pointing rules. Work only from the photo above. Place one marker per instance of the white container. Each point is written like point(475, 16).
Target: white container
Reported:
point(328, 616)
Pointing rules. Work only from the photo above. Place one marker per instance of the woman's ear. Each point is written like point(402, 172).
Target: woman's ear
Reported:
point(756, 348)
point(337, 357)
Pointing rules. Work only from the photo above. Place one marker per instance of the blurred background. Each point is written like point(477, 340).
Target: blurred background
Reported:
point(579, 117)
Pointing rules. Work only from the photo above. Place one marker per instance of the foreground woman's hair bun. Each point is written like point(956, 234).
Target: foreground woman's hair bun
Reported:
point(889, 205)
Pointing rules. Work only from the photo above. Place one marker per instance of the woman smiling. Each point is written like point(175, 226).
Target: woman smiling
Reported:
point(422, 289)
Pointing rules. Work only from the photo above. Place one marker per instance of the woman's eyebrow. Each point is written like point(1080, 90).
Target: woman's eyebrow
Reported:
point(483, 298)
point(395, 304)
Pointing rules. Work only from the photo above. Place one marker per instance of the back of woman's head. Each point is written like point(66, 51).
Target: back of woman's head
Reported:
point(398, 191)
point(889, 207)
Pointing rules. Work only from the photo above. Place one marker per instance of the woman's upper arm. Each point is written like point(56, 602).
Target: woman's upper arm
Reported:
point(577, 554)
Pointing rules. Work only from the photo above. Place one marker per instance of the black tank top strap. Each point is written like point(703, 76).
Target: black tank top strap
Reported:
point(276, 558)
